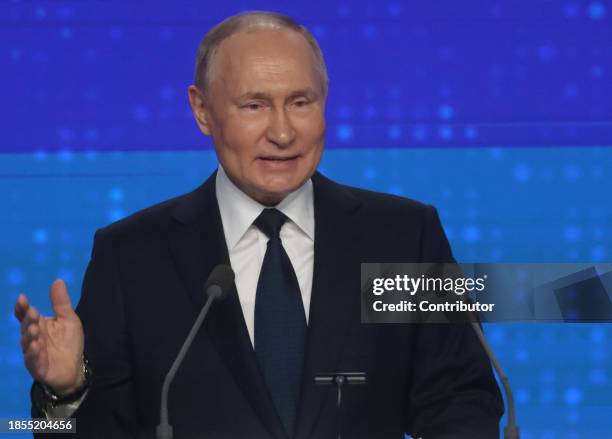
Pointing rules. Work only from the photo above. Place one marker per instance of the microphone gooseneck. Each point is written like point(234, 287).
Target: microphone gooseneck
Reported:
point(216, 287)
point(511, 430)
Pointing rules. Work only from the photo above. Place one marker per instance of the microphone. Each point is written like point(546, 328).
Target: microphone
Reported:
point(217, 286)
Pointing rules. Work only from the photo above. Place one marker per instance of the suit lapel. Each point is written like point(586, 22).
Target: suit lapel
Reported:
point(336, 239)
point(197, 243)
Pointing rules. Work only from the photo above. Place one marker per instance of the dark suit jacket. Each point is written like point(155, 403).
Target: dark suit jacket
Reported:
point(144, 288)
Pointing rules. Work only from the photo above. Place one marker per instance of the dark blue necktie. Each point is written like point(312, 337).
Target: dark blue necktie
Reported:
point(280, 322)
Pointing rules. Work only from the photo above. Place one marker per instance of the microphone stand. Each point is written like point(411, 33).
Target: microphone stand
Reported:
point(164, 429)
point(339, 379)
point(511, 430)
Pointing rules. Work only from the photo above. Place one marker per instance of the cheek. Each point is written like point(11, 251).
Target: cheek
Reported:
point(240, 137)
point(309, 120)
point(313, 132)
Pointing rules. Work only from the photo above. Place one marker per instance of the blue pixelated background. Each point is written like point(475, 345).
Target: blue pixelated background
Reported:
point(497, 112)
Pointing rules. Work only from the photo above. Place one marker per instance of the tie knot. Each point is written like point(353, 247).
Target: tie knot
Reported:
point(270, 222)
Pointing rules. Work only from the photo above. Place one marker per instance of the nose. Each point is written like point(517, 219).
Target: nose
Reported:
point(280, 129)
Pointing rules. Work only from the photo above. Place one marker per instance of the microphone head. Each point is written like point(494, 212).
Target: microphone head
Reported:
point(219, 282)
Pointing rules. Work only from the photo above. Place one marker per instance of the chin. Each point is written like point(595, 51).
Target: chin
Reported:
point(274, 193)
point(280, 184)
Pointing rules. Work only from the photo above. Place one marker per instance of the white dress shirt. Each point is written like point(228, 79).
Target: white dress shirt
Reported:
point(247, 245)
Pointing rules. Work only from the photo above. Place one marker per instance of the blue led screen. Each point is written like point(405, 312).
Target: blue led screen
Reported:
point(498, 113)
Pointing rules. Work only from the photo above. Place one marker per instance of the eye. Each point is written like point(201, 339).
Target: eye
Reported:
point(253, 106)
point(300, 103)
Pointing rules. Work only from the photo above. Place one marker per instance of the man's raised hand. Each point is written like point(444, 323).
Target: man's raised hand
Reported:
point(52, 346)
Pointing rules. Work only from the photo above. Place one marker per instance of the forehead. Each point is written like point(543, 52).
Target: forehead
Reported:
point(260, 59)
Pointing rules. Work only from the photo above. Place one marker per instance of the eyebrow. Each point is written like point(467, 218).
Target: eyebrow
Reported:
point(307, 92)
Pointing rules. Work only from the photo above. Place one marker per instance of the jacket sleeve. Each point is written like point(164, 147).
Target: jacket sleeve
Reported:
point(452, 391)
point(109, 408)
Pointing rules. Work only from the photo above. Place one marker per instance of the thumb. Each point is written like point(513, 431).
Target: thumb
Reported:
point(60, 300)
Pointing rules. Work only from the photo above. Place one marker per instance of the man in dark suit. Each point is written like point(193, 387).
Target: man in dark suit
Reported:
point(295, 240)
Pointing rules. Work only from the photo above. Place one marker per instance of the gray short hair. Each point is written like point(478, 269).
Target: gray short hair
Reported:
point(251, 20)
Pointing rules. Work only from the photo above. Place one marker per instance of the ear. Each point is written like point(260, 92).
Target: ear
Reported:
point(198, 106)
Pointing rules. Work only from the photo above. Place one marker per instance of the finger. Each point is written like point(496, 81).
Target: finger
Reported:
point(21, 307)
point(32, 360)
point(38, 358)
point(30, 318)
point(32, 334)
point(60, 300)
point(32, 351)
point(43, 323)
point(25, 343)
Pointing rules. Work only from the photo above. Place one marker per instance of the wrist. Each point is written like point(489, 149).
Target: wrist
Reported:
point(69, 391)
point(55, 397)
point(80, 383)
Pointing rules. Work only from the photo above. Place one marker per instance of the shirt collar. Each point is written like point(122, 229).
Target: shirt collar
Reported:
point(238, 210)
